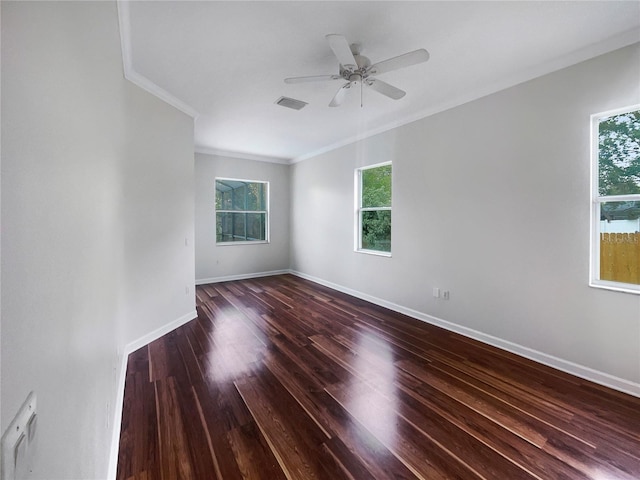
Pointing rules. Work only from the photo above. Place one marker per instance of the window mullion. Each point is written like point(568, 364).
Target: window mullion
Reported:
point(617, 198)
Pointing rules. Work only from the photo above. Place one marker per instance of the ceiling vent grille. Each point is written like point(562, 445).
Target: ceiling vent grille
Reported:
point(291, 103)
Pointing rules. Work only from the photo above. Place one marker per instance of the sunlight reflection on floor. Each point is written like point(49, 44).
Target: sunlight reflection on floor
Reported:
point(376, 410)
point(234, 348)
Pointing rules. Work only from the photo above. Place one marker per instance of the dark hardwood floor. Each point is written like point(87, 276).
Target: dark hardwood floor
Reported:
point(281, 378)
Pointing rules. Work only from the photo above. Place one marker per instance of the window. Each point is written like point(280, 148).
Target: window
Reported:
point(242, 211)
point(373, 209)
point(615, 243)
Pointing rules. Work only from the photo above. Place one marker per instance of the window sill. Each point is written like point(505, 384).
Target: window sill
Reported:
point(250, 242)
point(615, 286)
point(375, 252)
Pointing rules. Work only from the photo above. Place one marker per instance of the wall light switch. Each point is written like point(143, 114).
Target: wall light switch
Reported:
point(436, 292)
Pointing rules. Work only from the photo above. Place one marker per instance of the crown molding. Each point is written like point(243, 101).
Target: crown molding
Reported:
point(615, 42)
point(124, 21)
point(241, 155)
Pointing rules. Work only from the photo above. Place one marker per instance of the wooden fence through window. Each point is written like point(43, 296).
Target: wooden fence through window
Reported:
point(620, 257)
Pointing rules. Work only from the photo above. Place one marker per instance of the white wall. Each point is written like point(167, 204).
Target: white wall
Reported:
point(491, 201)
point(216, 262)
point(97, 200)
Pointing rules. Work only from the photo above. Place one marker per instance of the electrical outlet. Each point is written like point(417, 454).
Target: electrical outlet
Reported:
point(445, 294)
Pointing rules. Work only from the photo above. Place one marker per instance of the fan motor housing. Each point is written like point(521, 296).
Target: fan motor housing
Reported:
point(362, 62)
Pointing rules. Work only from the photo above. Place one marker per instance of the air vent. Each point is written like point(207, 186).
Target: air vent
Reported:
point(291, 103)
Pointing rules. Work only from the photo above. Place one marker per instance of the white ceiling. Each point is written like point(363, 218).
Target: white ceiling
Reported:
point(224, 62)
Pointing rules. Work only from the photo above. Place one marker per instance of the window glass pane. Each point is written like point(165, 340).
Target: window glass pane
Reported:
point(256, 196)
point(225, 227)
point(376, 187)
point(240, 227)
point(620, 242)
point(239, 193)
point(376, 230)
point(256, 226)
point(236, 195)
point(619, 154)
point(223, 196)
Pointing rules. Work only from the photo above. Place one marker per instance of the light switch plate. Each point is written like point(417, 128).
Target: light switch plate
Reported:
point(18, 441)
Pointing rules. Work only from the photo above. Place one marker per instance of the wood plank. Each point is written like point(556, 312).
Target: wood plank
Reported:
point(175, 458)
point(387, 412)
point(295, 441)
point(139, 456)
point(279, 377)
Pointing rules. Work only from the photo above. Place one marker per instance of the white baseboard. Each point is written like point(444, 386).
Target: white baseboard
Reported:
point(244, 276)
point(128, 349)
point(159, 332)
point(581, 371)
point(117, 420)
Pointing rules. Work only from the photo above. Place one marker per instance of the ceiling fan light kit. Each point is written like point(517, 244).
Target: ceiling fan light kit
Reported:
point(357, 70)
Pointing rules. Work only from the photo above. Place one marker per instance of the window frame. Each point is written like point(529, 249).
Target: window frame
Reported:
point(597, 200)
point(266, 212)
point(359, 209)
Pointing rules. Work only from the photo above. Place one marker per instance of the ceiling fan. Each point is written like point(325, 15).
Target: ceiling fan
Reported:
point(357, 70)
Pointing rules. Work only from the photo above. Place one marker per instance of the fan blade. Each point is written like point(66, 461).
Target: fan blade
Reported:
point(385, 89)
point(339, 96)
point(342, 51)
point(312, 78)
point(401, 61)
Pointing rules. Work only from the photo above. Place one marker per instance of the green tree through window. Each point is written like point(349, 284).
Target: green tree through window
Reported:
point(619, 154)
point(374, 210)
point(617, 199)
